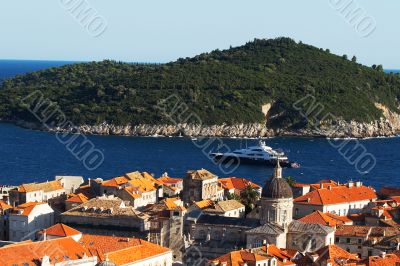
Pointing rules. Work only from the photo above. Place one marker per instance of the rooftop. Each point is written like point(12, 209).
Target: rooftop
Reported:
point(328, 219)
point(61, 230)
point(46, 186)
point(236, 183)
point(335, 195)
point(201, 174)
point(29, 253)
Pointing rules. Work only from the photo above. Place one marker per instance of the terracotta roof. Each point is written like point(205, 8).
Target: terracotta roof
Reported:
point(353, 230)
point(204, 204)
point(390, 191)
point(87, 191)
point(46, 186)
point(77, 198)
point(201, 174)
point(283, 256)
point(173, 204)
point(325, 219)
point(144, 250)
point(238, 258)
point(121, 250)
point(26, 208)
point(335, 195)
point(236, 183)
point(387, 260)
point(4, 206)
point(115, 182)
point(333, 253)
point(323, 183)
point(169, 180)
point(29, 253)
point(61, 230)
point(143, 176)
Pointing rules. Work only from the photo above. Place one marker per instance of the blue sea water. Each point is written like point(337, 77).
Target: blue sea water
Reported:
point(9, 68)
point(27, 155)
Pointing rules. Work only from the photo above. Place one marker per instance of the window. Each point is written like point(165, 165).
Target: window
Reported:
point(202, 234)
point(348, 240)
point(337, 240)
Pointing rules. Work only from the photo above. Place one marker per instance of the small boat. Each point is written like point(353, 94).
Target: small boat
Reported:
point(260, 154)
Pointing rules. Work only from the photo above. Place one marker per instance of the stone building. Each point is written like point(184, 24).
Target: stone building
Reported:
point(51, 192)
point(274, 225)
point(28, 218)
point(200, 185)
point(342, 200)
point(5, 210)
point(108, 214)
point(228, 208)
point(167, 224)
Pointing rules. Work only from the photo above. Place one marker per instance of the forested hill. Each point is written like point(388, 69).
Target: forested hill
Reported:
point(227, 86)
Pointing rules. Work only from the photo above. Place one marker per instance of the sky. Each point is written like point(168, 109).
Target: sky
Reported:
point(162, 31)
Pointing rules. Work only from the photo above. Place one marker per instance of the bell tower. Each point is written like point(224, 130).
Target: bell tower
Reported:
point(277, 200)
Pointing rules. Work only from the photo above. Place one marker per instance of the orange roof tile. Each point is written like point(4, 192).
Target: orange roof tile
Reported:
point(61, 230)
point(335, 195)
point(204, 203)
point(328, 219)
point(121, 250)
point(387, 260)
point(169, 180)
point(333, 253)
point(77, 198)
point(115, 182)
point(143, 250)
point(283, 256)
point(238, 258)
point(26, 208)
point(4, 206)
point(236, 183)
point(29, 253)
point(45, 186)
point(353, 230)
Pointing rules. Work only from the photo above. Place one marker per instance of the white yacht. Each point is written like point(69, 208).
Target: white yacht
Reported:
point(260, 154)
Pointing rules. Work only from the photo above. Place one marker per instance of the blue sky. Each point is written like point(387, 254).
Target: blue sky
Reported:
point(161, 31)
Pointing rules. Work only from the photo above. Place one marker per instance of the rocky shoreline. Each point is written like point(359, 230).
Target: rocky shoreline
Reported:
point(341, 129)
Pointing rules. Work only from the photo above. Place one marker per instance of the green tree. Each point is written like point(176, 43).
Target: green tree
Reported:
point(354, 59)
point(290, 180)
point(233, 196)
point(249, 197)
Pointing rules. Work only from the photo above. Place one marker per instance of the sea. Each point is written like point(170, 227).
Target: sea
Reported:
point(35, 156)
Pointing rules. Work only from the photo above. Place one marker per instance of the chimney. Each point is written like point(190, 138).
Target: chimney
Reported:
point(44, 235)
point(321, 185)
point(329, 187)
point(383, 255)
point(350, 184)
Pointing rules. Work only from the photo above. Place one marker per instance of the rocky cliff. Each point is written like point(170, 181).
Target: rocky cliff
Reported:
point(387, 125)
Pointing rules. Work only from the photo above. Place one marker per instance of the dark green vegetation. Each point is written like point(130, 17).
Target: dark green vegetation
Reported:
point(220, 87)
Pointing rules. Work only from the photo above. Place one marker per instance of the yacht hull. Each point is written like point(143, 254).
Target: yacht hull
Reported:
point(270, 163)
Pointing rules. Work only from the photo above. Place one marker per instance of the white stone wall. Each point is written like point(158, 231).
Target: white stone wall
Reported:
point(342, 209)
point(23, 227)
point(164, 259)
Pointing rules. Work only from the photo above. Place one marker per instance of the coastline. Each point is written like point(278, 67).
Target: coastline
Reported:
point(341, 130)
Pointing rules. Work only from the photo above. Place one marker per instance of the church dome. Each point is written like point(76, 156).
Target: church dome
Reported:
point(277, 188)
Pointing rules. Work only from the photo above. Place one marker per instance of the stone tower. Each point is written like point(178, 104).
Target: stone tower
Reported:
point(277, 200)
